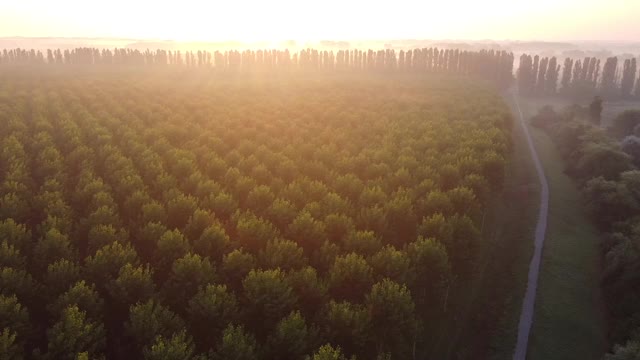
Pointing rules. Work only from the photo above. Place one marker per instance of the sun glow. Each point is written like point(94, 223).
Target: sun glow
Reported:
point(279, 20)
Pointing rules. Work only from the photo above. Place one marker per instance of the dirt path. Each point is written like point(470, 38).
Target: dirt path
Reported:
point(528, 304)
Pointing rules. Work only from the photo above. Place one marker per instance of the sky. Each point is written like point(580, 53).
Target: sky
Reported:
point(278, 20)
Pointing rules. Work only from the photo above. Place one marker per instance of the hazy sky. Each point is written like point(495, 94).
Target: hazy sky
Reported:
point(251, 20)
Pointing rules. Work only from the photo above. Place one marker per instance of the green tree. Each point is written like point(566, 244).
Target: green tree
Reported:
point(284, 254)
point(392, 318)
point(362, 242)
point(16, 234)
point(253, 233)
point(350, 278)
point(73, 333)
point(595, 110)
point(347, 325)
point(134, 284)
point(235, 267)
point(236, 344)
point(10, 256)
point(147, 239)
point(150, 319)
point(61, 275)
point(81, 295)
point(179, 210)
point(178, 347)
point(213, 242)
point(188, 274)
point(209, 312)
point(171, 246)
point(52, 247)
point(431, 273)
point(290, 339)
point(104, 266)
point(198, 222)
point(10, 349)
point(14, 317)
point(328, 352)
point(308, 232)
point(102, 235)
point(310, 290)
point(267, 298)
point(392, 264)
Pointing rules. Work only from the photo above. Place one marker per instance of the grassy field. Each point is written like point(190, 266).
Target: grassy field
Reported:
point(569, 321)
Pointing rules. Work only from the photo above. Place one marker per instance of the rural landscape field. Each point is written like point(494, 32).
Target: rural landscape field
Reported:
point(227, 193)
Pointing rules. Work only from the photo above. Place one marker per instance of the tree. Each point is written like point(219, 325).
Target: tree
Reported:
point(236, 344)
point(102, 235)
point(392, 264)
point(150, 319)
point(147, 239)
point(178, 347)
point(81, 295)
point(171, 246)
point(198, 222)
point(134, 284)
point(290, 339)
point(328, 352)
point(15, 318)
point(10, 256)
point(283, 254)
point(431, 272)
point(213, 242)
point(73, 333)
point(209, 312)
point(54, 246)
point(253, 232)
point(595, 110)
point(392, 318)
point(61, 275)
point(628, 78)
point(235, 267)
point(630, 351)
point(310, 290)
point(179, 210)
point(338, 226)
point(609, 201)
point(10, 349)
point(16, 234)
point(308, 232)
point(188, 275)
point(347, 325)
point(267, 298)
point(19, 283)
point(104, 267)
point(350, 278)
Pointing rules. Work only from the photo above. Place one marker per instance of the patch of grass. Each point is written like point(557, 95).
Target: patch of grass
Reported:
point(569, 315)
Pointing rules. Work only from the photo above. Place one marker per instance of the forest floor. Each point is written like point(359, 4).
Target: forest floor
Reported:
point(569, 321)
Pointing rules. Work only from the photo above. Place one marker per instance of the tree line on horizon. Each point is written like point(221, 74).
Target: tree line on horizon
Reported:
point(578, 78)
point(495, 66)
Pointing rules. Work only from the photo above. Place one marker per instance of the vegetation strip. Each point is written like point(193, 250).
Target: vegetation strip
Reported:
point(526, 316)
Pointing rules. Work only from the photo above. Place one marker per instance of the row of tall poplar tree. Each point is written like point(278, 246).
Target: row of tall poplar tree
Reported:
point(578, 78)
point(496, 66)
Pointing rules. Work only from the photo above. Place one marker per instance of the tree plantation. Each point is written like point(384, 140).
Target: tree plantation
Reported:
point(175, 212)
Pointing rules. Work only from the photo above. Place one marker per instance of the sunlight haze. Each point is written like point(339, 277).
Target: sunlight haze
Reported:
point(247, 20)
